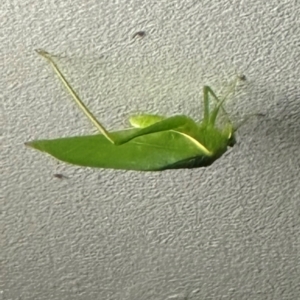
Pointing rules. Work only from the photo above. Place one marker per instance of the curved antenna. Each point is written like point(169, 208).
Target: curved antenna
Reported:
point(235, 128)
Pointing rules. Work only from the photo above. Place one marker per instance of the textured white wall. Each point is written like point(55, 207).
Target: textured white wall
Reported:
point(230, 231)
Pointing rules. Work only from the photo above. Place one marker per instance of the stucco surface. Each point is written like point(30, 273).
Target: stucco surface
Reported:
point(228, 231)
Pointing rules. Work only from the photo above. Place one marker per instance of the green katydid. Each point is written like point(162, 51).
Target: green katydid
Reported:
point(153, 143)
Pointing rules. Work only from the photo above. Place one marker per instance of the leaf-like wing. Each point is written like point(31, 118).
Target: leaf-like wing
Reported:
point(153, 152)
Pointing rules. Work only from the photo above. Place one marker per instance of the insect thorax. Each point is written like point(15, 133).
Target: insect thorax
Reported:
point(215, 140)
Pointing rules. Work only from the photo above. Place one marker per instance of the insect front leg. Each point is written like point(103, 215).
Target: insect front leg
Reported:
point(211, 117)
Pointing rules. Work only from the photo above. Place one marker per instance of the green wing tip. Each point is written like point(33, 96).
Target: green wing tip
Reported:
point(28, 144)
point(32, 145)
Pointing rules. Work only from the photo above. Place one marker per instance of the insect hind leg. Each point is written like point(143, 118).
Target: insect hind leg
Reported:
point(76, 98)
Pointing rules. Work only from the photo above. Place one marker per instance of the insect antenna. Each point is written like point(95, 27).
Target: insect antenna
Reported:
point(236, 127)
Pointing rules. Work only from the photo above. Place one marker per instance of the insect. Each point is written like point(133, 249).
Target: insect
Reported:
point(153, 143)
point(242, 77)
point(141, 34)
point(60, 176)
